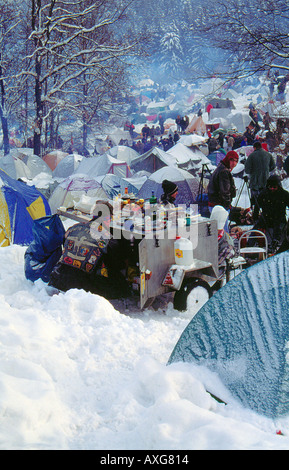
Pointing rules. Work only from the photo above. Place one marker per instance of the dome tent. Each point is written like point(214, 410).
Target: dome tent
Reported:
point(67, 166)
point(34, 163)
point(53, 158)
point(14, 167)
point(241, 334)
point(152, 160)
point(75, 189)
point(20, 205)
point(188, 185)
point(113, 185)
point(123, 152)
point(103, 164)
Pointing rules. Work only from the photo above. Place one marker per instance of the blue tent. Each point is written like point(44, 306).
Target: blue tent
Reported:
point(216, 156)
point(20, 205)
point(241, 334)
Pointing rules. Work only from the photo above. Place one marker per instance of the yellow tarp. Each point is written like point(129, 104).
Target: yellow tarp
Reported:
point(37, 209)
point(5, 228)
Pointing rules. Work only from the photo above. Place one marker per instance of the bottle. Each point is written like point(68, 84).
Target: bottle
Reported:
point(153, 199)
point(153, 202)
point(183, 251)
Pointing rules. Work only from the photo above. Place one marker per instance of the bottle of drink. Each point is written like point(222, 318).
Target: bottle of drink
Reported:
point(153, 199)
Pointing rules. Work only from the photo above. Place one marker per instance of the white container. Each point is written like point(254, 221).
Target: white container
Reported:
point(183, 251)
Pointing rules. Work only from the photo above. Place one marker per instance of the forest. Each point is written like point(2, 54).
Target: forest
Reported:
point(62, 61)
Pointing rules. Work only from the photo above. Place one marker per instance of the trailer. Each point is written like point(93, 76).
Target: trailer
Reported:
point(156, 270)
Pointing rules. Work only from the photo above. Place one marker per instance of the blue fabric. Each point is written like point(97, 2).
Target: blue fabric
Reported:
point(242, 334)
point(46, 248)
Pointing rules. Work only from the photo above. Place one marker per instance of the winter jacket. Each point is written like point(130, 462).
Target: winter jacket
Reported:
point(273, 204)
point(221, 188)
point(258, 166)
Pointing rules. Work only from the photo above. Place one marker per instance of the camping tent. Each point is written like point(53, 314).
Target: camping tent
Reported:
point(113, 185)
point(188, 185)
point(14, 167)
point(19, 206)
point(53, 158)
point(215, 157)
point(245, 150)
point(34, 163)
point(67, 166)
point(103, 164)
point(241, 335)
point(239, 120)
point(196, 125)
point(71, 191)
point(152, 160)
point(123, 152)
point(192, 139)
point(117, 135)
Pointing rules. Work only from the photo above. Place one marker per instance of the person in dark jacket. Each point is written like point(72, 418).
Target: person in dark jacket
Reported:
point(258, 166)
point(221, 188)
point(272, 201)
point(170, 192)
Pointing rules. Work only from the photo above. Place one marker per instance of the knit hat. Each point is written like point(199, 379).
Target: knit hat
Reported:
point(231, 155)
point(169, 187)
point(273, 180)
point(219, 214)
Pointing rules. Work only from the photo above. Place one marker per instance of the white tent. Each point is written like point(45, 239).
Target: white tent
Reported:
point(67, 166)
point(239, 119)
point(123, 152)
point(14, 167)
point(71, 191)
point(152, 160)
point(192, 139)
point(117, 135)
point(103, 164)
point(183, 154)
point(34, 163)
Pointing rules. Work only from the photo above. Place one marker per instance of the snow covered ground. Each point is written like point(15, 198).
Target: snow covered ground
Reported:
point(77, 374)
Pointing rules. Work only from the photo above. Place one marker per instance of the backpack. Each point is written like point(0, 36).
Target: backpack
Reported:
point(82, 250)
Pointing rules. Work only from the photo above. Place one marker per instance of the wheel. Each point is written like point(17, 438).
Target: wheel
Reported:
point(193, 293)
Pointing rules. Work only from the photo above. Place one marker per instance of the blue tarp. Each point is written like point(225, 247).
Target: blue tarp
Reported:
point(242, 334)
point(44, 252)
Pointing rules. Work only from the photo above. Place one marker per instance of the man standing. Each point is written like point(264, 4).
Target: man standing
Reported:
point(258, 166)
point(273, 201)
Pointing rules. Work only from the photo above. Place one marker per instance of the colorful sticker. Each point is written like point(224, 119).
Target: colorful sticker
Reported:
point(178, 253)
point(142, 283)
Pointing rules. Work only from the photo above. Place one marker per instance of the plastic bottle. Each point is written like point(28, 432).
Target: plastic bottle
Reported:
point(183, 251)
point(153, 199)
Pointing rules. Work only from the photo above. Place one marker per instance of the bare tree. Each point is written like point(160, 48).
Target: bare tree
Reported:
point(253, 36)
point(76, 55)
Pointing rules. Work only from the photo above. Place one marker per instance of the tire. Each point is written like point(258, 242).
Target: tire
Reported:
point(193, 293)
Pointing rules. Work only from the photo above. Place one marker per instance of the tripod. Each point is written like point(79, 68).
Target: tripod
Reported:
point(245, 184)
point(200, 199)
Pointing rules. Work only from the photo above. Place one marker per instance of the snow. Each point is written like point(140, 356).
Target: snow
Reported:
point(75, 373)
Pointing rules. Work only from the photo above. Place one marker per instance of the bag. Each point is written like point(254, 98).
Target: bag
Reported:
point(45, 250)
point(83, 251)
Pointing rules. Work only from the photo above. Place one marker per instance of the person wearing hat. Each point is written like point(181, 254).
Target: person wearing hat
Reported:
point(258, 166)
point(272, 202)
point(221, 188)
point(170, 191)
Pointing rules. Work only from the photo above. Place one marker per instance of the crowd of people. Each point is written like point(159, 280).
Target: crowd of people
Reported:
point(268, 199)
